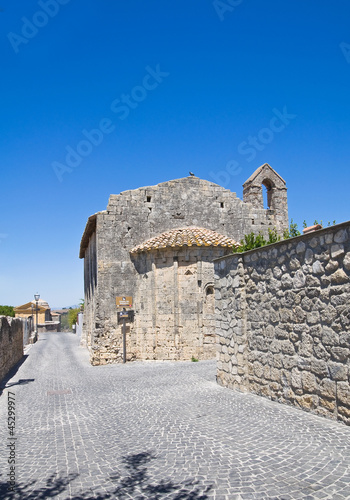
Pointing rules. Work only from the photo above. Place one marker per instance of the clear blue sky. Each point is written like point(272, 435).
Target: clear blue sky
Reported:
point(174, 86)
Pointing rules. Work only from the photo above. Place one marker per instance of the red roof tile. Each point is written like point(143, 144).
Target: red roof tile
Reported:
point(186, 236)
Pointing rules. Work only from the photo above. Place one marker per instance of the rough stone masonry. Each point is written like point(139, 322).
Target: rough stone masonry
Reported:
point(171, 283)
point(283, 321)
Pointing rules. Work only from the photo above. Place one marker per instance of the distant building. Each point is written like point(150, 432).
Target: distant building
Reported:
point(155, 245)
point(47, 321)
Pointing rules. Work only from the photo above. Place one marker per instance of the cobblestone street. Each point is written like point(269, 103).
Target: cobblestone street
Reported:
point(159, 430)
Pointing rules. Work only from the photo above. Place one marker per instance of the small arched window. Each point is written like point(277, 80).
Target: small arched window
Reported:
point(267, 193)
point(209, 306)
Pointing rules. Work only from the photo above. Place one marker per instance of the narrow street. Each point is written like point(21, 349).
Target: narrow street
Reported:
point(157, 430)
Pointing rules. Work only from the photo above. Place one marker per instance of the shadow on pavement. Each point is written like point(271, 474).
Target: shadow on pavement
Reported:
point(22, 381)
point(135, 483)
point(12, 373)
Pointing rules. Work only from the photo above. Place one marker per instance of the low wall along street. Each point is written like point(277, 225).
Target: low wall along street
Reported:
point(283, 321)
point(11, 343)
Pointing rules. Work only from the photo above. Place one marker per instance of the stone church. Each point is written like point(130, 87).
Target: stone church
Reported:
point(156, 246)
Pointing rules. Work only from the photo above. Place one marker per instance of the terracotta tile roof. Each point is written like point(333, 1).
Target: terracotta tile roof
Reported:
point(186, 236)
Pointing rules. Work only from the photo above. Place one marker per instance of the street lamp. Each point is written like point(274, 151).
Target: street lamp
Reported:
point(32, 327)
point(36, 297)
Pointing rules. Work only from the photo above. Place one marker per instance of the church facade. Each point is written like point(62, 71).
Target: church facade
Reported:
point(156, 246)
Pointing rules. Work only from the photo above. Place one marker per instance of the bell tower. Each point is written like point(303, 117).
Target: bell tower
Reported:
point(277, 204)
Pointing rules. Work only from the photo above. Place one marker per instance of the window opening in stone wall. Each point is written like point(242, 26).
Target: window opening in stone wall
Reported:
point(222, 204)
point(149, 198)
point(209, 300)
point(267, 193)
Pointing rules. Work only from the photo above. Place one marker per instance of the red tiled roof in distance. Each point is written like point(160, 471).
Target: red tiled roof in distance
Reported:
point(186, 236)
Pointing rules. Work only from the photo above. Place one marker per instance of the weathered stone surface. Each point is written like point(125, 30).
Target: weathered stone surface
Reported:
point(332, 266)
point(300, 248)
point(341, 236)
point(343, 393)
point(309, 256)
point(346, 261)
point(337, 250)
point(308, 381)
point(317, 267)
point(299, 279)
point(11, 343)
point(171, 285)
point(328, 388)
point(339, 277)
point(304, 324)
point(338, 371)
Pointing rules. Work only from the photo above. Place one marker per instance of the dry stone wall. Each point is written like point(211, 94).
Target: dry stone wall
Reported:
point(11, 343)
point(283, 321)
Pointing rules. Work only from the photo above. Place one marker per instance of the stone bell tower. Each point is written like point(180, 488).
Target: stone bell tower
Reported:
point(277, 204)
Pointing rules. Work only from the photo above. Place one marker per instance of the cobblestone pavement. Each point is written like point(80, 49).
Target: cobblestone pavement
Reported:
point(159, 431)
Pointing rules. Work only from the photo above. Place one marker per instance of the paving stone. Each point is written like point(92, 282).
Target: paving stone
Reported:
point(151, 430)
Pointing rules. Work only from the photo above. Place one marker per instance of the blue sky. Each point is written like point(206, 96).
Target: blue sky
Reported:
point(146, 91)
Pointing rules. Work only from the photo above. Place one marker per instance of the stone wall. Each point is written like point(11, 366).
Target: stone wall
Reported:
point(174, 304)
point(49, 326)
point(137, 215)
point(283, 321)
point(11, 343)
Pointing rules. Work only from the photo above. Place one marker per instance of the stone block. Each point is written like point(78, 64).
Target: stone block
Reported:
point(294, 264)
point(337, 250)
point(332, 266)
point(319, 367)
point(317, 267)
point(309, 256)
point(338, 371)
point(346, 261)
point(329, 337)
point(341, 236)
point(313, 317)
point(299, 279)
point(286, 281)
point(328, 388)
point(307, 402)
point(343, 393)
point(343, 410)
point(309, 382)
point(328, 238)
point(340, 353)
point(300, 248)
point(312, 281)
point(296, 382)
point(329, 405)
point(339, 277)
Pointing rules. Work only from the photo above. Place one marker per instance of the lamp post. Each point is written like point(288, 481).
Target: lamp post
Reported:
point(32, 327)
point(36, 297)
